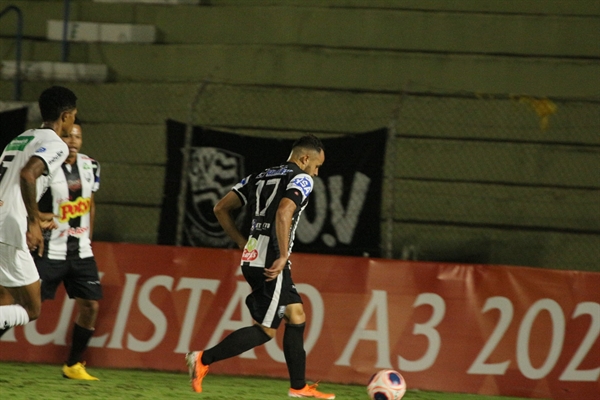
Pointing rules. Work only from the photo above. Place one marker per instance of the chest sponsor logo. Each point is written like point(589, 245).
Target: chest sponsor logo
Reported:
point(19, 143)
point(250, 252)
point(74, 209)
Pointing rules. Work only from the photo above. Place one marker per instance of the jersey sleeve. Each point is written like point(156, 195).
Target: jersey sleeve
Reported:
point(242, 189)
point(299, 188)
point(96, 171)
point(53, 152)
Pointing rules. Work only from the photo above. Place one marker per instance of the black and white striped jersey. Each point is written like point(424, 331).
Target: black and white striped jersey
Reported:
point(263, 192)
point(69, 198)
point(48, 146)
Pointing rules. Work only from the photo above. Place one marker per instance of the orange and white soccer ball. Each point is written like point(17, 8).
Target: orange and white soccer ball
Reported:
point(386, 384)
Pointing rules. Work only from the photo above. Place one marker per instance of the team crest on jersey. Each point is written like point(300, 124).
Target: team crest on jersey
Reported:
point(303, 183)
point(212, 174)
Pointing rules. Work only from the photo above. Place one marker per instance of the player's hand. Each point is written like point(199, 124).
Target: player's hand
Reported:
point(47, 221)
point(275, 269)
point(35, 240)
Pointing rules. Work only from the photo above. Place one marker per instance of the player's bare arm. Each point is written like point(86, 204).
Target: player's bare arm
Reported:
point(223, 211)
point(283, 223)
point(34, 168)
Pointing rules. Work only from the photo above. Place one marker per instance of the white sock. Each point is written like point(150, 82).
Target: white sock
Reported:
point(12, 315)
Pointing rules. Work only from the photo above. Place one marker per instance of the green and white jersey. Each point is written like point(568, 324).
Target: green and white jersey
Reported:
point(48, 146)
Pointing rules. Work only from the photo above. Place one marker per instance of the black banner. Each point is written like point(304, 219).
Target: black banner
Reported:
point(12, 124)
point(343, 214)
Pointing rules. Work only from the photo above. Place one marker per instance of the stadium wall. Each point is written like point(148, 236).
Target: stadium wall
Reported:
point(485, 329)
point(376, 48)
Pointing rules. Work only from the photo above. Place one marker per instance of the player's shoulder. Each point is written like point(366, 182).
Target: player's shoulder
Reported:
point(303, 182)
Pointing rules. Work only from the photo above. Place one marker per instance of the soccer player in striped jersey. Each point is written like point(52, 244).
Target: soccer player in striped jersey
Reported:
point(68, 256)
point(278, 196)
point(27, 164)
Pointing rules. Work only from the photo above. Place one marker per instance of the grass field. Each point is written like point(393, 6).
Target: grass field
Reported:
point(39, 381)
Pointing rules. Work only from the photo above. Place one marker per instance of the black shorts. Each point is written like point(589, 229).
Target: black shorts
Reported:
point(268, 300)
point(79, 276)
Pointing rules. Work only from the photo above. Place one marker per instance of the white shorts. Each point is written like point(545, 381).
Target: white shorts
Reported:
point(17, 267)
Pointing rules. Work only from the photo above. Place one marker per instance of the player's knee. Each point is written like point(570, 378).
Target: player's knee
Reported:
point(33, 311)
point(271, 332)
point(295, 314)
point(89, 308)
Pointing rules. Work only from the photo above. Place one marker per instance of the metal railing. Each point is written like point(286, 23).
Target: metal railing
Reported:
point(18, 55)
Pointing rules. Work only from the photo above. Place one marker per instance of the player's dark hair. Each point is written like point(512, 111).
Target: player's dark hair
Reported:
point(310, 142)
point(54, 101)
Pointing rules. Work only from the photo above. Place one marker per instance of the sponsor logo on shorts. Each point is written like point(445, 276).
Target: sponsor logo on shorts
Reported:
point(281, 311)
point(74, 209)
point(250, 253)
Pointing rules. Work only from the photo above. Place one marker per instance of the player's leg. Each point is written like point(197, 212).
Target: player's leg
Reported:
point(293, 346)
point(26, 307)
point(242, 339)
point(19, 277)
point(82, 282)
point(5, 300)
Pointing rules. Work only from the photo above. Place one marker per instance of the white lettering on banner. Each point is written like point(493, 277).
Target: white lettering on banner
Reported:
point(9, 336)
point(427, 329)
point(380, 335)
point(344, 221)
point(558, 337)
point(226, 324)
point(197, 286)
point(116, 341)
point(316, 323)
point(479, 366)
point(153, 313)
point(376, 310)
point(571, 373)
point(58, 336)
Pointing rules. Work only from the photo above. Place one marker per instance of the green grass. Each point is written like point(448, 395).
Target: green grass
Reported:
point(39, 381)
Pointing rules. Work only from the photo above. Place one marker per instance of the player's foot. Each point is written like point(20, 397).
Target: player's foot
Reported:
point(197, 370)
point(77, 371)
point(310, 391)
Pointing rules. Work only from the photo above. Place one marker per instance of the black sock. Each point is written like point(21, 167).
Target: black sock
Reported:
point(236, 343)
point(295, 356)
point(3, 331)
point(81, 338)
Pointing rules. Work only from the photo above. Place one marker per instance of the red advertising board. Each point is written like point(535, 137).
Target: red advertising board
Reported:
point(483, 329)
